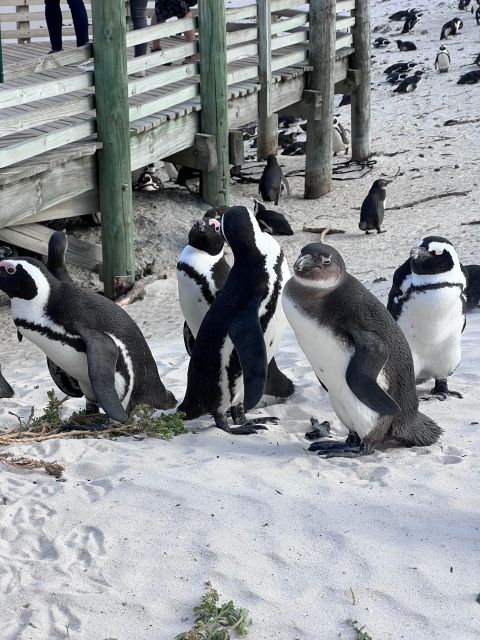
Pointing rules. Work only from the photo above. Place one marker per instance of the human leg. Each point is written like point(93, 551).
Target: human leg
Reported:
point(53, 18)
point(80, 21)
point(138, 9)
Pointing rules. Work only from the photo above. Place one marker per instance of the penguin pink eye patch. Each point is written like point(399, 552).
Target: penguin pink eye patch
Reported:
point(8, 266)
point(215, 224)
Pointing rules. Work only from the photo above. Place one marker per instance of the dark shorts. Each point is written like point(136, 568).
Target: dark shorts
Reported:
point(165, 9)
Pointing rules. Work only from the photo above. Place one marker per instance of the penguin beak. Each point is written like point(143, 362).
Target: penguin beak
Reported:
point(304, 263)
point(419, 254)
point(200, 225)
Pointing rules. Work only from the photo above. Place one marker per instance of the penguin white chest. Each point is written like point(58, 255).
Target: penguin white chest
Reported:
point(192, 301)
point(329, 357)
point(443, 62)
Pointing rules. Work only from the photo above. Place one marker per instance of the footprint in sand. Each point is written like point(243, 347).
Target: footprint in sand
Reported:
point(96, 489)
point(87, 544)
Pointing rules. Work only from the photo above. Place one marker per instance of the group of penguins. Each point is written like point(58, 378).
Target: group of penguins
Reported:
point(366, 356)
point(397, 74)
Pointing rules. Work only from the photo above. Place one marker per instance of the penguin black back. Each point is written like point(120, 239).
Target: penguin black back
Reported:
point(272, 222)
point(271, 180)
point(473, 285)
point(57, 247)
point(373, 207)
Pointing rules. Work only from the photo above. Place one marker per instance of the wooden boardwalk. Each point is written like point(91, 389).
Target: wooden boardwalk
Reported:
point(48, 144)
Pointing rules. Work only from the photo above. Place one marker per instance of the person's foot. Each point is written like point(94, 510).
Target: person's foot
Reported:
point(54, 51)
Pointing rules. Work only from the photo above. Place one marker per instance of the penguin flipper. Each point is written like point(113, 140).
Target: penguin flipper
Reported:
point(247, 336)
point(188, 339)
point(102, 356)
point(396, 293)
point(6, 390)
point(368, 359)
point(64, 382)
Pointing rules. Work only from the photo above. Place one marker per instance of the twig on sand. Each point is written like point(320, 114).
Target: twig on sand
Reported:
point(353, 596)
point(471, 222)
point(137, 291)
point(448, 194)
point(451, 123)
point(52, 468)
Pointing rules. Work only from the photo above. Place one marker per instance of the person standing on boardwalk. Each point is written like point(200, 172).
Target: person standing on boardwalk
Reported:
point(138, 11)
point(53, 17)
point(165, 9)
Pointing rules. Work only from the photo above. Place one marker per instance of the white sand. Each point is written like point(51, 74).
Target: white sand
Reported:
point(121, 549)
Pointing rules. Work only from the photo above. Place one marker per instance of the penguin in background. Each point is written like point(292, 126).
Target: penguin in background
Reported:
point(472, 272)
point(341, 140)
point(57, 248)
point(405, 45)
point(410, 23)
point(477, 59)
point(442, 61)
point(400, 67)
point(373, 207)
point(201, 272)
point(241, 331)
point(410, 83)
point(90, 338)
point(451, 28)
point(380, 43)
point(6, 390)
point(270, 186)
point(395, 78)
point(273, 222)
point(428, 301)
point(471, 77)
point(477, 14)
point(359, 354)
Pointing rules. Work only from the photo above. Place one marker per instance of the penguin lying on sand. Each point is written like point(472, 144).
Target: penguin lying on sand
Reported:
point(201, 272)
point(373, 207)
point(400, 16)
point(398, 67)
point(473, 285)
point(358, 353)
point(87, 336)
point(380, 42)
point(477, 59)
point(410, 83)
point(472, 77)
point(242, 330)
point(442, 61)
point(451, 28)
point(270, 186)
point(428, 299)
point(395, 77)
point(273, 222)
point(404, 45)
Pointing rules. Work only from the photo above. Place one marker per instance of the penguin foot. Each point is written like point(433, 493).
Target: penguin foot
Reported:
point(380, 231)
point(319, 430)
point(248, 427)
point(353, 441)
point(348, 452)
point(441, 391)
point(262, 420)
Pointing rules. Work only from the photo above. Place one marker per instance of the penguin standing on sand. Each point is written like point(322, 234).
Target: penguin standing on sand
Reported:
point(270, 186)
point(6, 390)
point(428, 301)
point(242, 330)
point(410, 22)
point(341, 141)
point(373, 207)
point(87, 336)
point(442, 61)
point(273, 222)
point(358, 353)
point(451, 28)
point(410, 83)
point(201, 272)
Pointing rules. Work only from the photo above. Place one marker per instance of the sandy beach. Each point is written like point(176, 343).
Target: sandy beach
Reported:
point(121, 549)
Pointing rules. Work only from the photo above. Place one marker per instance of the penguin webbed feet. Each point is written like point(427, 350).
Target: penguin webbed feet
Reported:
point(353, 447)
point(318, 430)
point(245, 427)
point(381, 231)
point(441, 391)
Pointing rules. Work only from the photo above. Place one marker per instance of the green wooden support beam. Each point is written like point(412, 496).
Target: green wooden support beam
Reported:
point(360, 108)
point(1, 56)
point(213, 91)
point(114, 170)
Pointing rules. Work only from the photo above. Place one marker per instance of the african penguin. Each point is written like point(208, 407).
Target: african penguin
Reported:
point(395, 77)
point(442, 61)
point(410, 22)
point(400, 16)
point(398, 67)
point(340, 137)
point(428, 301)
point(471, 77)
point(57, 247)
point(242, 330)
point(87, 336)
point(451, 28)
point(477, 15)
point(6, 390)
point(201, 272)
point(273, 222)
point(271, 181)
point(473, 285)
point(380, 42)
point(404, 45)
point(410, 83)
point(477, 59)
point(358, 353)
point(373, 207)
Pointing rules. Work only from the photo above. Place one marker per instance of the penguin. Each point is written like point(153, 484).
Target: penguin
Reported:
point(147, 180)
point(373, 207)
point(410, 23)
point(57, 247)
point(442, 61)
point(405, 45)
point(242, 330)
point(395, 78)
point(477, 15)
point(451, 28)
point(346, 100)
point(89, 337)
point(285, 139)
point(6, 390)
point(340, 138)
point(472, 291)
point(428, 301)
point(201, 272)
point(472, 77)
point(463, 5)
point(410, 83)
point(380, 42)
point(271, 181)
point(477, 59)
point(358, 353)
point(400, 16)
point(273, 222)
point(399, 67)
point(295, 149)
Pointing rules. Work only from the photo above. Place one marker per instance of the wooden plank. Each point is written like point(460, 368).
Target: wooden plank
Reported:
point(290, 23)
point(162, 30)
point(345, 5)
point(158, 58)
point(287, 40)
point(245, 51)
point(35, 237)
point(45, 89)
point(203, 154)
point(47, 62)
point(248, 11)
point(159, 104)
point(157, 80)
point(280, 5)
point(241, 36)
point(84, 204)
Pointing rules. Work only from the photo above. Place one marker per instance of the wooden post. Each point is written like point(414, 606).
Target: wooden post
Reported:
point(213, 91)
point(360, 108)
point(114, 170)
point(1, 56)
point(267, 141)
point(23, 24)
point(319, 147)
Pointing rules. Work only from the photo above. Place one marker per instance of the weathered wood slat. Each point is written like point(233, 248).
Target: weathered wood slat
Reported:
point(157, 80)
point(35, 237)
point(162, 57)
point(47, 62)
point(239, 53)
point(241, 36)
point(290, 23)
point(160, 31)
point(287, 40)
point(249, 11)
point(159, 104)
point(40, 90)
